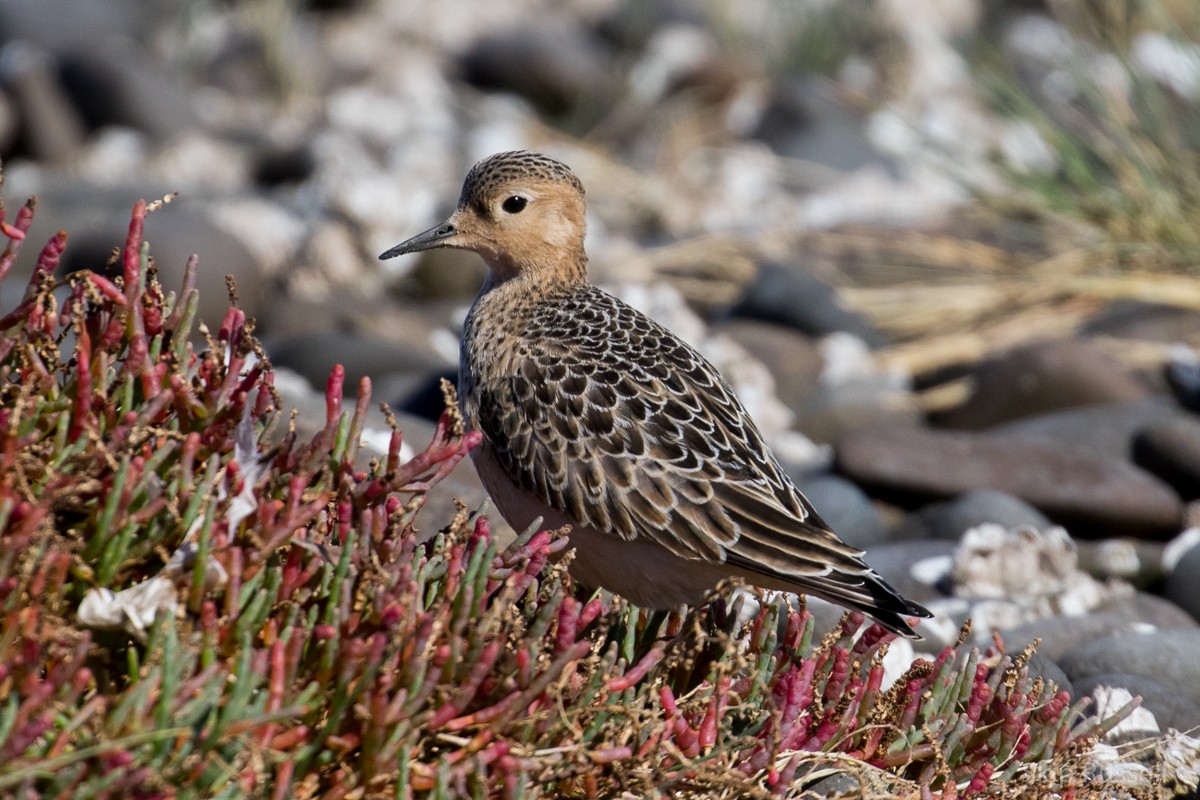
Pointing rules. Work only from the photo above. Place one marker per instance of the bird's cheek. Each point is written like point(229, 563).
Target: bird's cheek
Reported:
point(558, 231)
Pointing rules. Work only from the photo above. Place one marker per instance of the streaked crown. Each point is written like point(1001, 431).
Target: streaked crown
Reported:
point(502, 169)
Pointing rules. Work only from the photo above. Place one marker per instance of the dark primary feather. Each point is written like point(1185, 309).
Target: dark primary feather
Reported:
point(608, 417)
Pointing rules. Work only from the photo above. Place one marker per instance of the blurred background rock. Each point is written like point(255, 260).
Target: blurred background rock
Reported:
point(947, 250)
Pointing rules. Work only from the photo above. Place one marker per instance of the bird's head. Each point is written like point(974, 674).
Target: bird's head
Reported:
point(523, 212)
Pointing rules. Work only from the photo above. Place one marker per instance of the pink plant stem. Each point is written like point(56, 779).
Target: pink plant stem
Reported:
point(83, 383)
point(15, 233)
point(633, 676)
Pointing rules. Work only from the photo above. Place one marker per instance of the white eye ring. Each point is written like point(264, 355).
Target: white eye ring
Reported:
point(515, 204)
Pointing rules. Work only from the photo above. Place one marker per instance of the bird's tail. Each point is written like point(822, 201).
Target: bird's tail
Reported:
point(870, 594)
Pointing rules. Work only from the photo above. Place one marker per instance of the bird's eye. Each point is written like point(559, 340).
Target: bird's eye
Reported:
point(515, 204)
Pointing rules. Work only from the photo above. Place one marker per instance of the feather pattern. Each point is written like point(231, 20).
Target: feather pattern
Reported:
point(599, 409)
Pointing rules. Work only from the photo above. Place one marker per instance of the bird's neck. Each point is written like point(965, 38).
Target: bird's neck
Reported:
point(535, 277)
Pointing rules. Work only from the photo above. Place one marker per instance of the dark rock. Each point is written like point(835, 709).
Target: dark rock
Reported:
point(845, 508)
point(1085, 493)
point(1144, 608)
point(894, 562)
point(789, 295)
point(51, 129)
point(1123, 616)
point(1170, 657)
point(1170, 708)
point(1137, 561)
point(1183, 376)
point(9, 122)
point(951, 519)
point(1171, 450)
point(1059, 634)
point(1100, 430)
point(313, 355)
point(98, 221)
point(807, 119)
point(1151, 322)
point(277, 166)
point(1183, 584)
point(297, 316)
point(791, 356)
point(424, 398)
point(1041, 665)
point(63, 26)
point(555, 68)
point(837, 785)
point(630, 27)
point(1040, 377)
point(109, 84)
point(865, 402)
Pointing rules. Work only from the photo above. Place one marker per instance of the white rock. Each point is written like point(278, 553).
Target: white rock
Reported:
point(1111, 699)
point(114, 155)
point(1014, 576)
point(1171, 62)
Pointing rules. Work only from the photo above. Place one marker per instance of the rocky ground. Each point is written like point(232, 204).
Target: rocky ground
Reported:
point(979, 362)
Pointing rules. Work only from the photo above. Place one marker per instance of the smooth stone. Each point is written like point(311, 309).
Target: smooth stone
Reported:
point(630, 28)
point(68, 25)
point(949, 520)
point(174, 233)
point(52, 129)
point(1040, 665)
point(1171, 657)
point(301, 316)
point(790, 295)
point(557, 68)
point(837, 785)
point(895, 562)
point(1137, 561)
point(110, 86)
point(792, 357)
point(1099, 430)
point(1145, 608)
point(809, 119)
point(1083, 492)
point(314, 355)
point(9, 122)
point(855, 391)
point(845, 508)
point(1183, 376)
point(1150, 322)
point(863, 403)
point(1171, 450)
point(1040, 377)
point(424, 397)
point(1170, 707)
point(1060, 634)
point(1183, 584)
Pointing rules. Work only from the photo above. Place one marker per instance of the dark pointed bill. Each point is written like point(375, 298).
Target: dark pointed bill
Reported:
point(434, 237)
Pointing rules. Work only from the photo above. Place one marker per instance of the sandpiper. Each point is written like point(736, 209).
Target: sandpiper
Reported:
point(595, 417)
